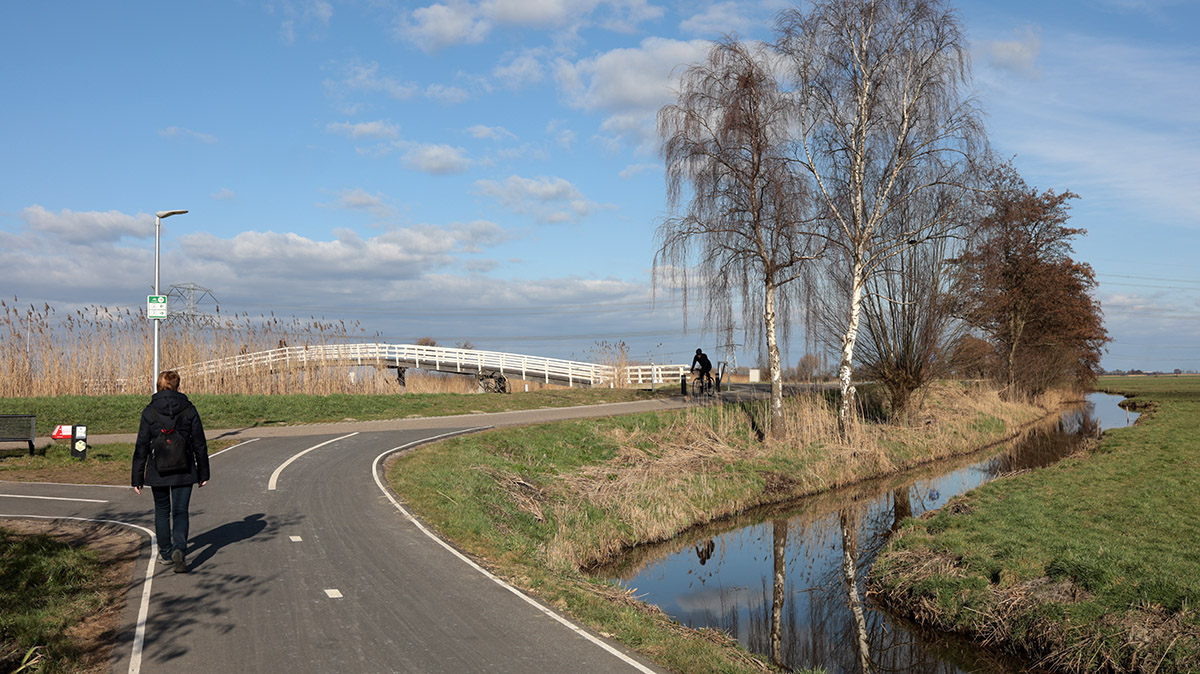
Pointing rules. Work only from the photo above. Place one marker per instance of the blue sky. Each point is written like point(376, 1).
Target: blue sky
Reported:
point(487, 170)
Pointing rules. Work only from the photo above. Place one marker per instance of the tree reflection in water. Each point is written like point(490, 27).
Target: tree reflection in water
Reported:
point(790, 588)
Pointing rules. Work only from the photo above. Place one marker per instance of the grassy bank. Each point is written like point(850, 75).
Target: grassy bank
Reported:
point(1086, 566)
point(120, 413)
point(541, 504)
point(61, 598)
point(108, 463)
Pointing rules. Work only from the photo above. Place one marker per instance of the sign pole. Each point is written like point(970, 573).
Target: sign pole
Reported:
point(157, 225)
point(154, 370)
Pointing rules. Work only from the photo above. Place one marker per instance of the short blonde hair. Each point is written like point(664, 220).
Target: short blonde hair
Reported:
point(168, 379)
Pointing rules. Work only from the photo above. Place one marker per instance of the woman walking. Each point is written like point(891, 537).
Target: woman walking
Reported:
point(170, 456)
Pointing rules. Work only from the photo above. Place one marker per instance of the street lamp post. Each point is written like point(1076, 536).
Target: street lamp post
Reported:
point(158, 218)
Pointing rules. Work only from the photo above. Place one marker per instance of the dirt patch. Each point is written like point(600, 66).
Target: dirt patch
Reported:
point(118, 549)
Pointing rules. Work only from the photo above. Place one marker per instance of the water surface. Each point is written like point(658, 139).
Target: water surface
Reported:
point(775, 580)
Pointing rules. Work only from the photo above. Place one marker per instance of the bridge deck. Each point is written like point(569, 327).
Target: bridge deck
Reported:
point(439, 359)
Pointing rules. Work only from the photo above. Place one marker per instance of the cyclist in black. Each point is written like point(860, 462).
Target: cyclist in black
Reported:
point(700, 360)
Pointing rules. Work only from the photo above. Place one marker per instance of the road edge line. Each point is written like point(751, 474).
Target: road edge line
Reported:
point(139, 632)
point(375, 472)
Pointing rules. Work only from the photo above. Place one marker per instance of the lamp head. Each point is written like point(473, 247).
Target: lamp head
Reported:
point(167, 214)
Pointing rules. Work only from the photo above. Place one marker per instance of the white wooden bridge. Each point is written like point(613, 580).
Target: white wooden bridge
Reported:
point(440, 359)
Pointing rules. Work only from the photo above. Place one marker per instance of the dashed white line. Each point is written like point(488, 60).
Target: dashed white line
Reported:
point(333, 594)
point(295, 539)
point(274, 481)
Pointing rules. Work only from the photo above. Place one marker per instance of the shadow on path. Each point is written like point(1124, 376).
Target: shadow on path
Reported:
point(208, 543)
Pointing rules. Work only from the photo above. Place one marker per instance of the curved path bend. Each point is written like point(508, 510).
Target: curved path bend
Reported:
point(325, 572)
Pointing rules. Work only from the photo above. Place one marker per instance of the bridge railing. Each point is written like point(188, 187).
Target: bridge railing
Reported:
point(467, 361)
point(653, 374)
point(442, 359)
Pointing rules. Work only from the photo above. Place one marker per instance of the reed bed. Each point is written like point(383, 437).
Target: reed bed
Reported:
point(98, 350)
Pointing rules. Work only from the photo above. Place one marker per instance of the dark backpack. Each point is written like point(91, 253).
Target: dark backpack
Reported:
point(169, 447)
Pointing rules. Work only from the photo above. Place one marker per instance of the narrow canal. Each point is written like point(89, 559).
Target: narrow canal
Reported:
point(774, 580)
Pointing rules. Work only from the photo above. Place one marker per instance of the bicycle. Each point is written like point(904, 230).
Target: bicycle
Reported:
point(703, 385)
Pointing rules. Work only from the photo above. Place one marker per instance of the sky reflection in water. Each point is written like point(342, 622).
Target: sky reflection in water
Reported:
point(726, 580)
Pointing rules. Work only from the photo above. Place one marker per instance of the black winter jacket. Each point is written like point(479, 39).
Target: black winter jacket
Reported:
point(169, 403)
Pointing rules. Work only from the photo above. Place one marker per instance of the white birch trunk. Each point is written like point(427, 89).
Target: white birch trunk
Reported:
point(849, 569)
point(846, 368)
point(777, 591)
point(774, 367)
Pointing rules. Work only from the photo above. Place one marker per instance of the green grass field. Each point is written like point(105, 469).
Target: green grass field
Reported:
point(1092, 564)
point(120, 413)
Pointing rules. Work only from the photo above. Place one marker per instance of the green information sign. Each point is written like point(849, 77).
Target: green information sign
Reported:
point(156, 306)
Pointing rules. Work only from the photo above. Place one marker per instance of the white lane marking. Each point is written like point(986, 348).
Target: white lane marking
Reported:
point(470, 562)
point(68, 484)
point(139, 633)
point(54, 498)
point(234, 447)
point(271, 484)
point(295, 539)
point(333, 594)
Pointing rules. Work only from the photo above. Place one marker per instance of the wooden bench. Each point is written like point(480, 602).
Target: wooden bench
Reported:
point(18, 428)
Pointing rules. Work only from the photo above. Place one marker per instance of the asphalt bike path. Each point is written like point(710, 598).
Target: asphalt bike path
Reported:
point(303, 561)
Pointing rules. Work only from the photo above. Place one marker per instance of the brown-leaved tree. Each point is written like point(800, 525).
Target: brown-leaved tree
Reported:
point(1025, 293)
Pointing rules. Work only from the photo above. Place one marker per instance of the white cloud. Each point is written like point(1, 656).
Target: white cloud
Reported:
point(180, 132)
point(461, 22)
point(315, 14)
point(376, 129)
point(531, 13)
point(224, 194)
point(634, 169)
point(631, 84)
point(547, 200)
point(717, 19)
point(517, 71)
point(357, 76)
point(435, 159)
point(563, 136)
point(490, 132)
point(89, 226)
point(1111, 122)
point(320, 11)
point(446, 94)
point(358, 199)
point(1018, 56)
point(438, 25)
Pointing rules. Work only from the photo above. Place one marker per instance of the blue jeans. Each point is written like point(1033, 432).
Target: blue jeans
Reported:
point(171, 518)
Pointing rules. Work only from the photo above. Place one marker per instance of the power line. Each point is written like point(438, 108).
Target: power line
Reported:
point(1151, 278)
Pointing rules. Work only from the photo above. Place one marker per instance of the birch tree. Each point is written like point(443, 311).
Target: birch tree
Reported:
point(738, 234)
point(881, 94)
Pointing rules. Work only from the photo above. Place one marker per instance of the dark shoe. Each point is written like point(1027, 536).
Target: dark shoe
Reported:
point(177, 557)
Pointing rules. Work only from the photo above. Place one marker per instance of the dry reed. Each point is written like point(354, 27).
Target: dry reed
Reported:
point(666, 480)
point(98, 350)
